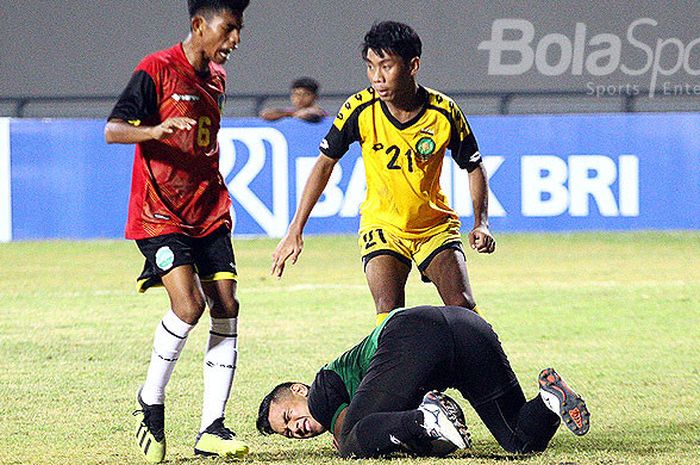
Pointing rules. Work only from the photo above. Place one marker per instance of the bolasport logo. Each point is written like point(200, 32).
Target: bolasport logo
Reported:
point(514, 50)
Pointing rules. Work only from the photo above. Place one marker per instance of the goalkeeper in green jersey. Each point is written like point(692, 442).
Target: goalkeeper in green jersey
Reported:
point(384, 395)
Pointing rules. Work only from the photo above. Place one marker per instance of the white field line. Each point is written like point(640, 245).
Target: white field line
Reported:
point(248, 290)
point(363, 288)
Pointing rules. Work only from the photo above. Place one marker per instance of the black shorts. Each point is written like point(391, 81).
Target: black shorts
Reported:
point(212, 257)
point(442, 347)
point(426, 348)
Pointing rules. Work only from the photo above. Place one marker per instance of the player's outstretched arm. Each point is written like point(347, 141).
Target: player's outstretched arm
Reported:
point(292, 243)
point(273, 114)
point(310, 114)
point(118, 131)
point(480, 238)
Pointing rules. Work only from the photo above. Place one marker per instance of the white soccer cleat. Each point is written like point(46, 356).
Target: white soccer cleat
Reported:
point(443, 421)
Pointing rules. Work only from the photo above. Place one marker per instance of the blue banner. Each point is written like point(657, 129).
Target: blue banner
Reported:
point(546, 173)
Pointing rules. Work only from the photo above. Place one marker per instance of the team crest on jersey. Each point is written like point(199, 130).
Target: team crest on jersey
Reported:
point(425, 147)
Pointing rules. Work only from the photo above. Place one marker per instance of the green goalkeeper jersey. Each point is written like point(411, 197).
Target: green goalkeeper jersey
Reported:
point(337, 382)
point(353, 364)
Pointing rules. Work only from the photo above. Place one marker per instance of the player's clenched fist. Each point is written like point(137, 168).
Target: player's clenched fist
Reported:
point(481, 240)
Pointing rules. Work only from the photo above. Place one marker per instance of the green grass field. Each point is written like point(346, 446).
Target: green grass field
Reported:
point(618, 315)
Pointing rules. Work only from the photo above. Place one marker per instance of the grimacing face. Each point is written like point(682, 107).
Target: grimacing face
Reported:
point(219, 35)
point(389, 75)
point(290, 416)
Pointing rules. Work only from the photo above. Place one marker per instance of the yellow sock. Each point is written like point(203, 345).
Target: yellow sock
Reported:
point(381, 317)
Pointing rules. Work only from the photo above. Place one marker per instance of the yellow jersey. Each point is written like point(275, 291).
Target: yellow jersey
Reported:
point(403, 161)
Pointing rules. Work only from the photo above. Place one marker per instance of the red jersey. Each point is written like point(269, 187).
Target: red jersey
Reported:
point(176, 186)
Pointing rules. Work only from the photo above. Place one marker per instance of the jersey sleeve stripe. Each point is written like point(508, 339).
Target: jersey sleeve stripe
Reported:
point(345, 129)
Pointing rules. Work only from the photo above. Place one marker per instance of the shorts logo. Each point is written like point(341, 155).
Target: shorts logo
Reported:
point(165, 258)
point(425, 147)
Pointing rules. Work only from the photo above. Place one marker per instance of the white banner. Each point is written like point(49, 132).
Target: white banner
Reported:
point(5, 186)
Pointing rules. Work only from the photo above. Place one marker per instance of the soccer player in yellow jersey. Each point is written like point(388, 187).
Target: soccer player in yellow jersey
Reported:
point(404, 130)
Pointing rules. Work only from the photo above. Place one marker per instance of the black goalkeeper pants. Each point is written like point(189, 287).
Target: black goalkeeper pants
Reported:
point(426, 348)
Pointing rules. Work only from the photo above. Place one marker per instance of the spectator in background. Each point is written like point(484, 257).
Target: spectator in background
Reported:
point(303, 94)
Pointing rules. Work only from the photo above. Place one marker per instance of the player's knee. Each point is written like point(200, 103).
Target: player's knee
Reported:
point(360, 442)
point(524, 449)
point(461, 299)
point(350, 449)
point(385, 304)
point(512, 444)
point(231, 307)
point(519, 443)
point(191, 309)
point(225, 308)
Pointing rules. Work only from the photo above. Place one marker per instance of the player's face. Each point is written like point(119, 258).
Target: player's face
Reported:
point(301, 97)
point(220, 35)
point(389, 75)
point(291, 418)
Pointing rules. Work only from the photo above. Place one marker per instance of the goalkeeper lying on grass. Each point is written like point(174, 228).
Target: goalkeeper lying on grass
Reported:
point(383, 395)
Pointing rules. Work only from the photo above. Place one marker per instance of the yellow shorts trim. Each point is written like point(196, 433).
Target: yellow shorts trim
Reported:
point(142, 285)
point(377, 241)
point(220, 276)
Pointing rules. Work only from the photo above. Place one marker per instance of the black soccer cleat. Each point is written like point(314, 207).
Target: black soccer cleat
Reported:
point(150, 435)
point(564, 401)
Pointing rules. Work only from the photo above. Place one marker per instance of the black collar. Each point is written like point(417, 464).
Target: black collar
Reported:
point(398, 124)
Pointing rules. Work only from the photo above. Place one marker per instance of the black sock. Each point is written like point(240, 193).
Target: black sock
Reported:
point(536, 424)
point(383, 433)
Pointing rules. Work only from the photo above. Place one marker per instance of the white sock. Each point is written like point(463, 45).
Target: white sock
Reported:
point(551, 402)
point(219, 368)
point(171, 335)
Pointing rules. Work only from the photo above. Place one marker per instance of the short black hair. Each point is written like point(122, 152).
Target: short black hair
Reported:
point(206, 7)
point(392, 37)
point(305, 83)
point(278, 392)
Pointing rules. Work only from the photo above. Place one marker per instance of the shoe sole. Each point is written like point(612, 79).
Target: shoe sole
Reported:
point(573, 410)
point(455, 416)
point(238, 454)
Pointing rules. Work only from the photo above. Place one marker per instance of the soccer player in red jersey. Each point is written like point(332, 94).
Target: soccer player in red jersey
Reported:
point(179, 214)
